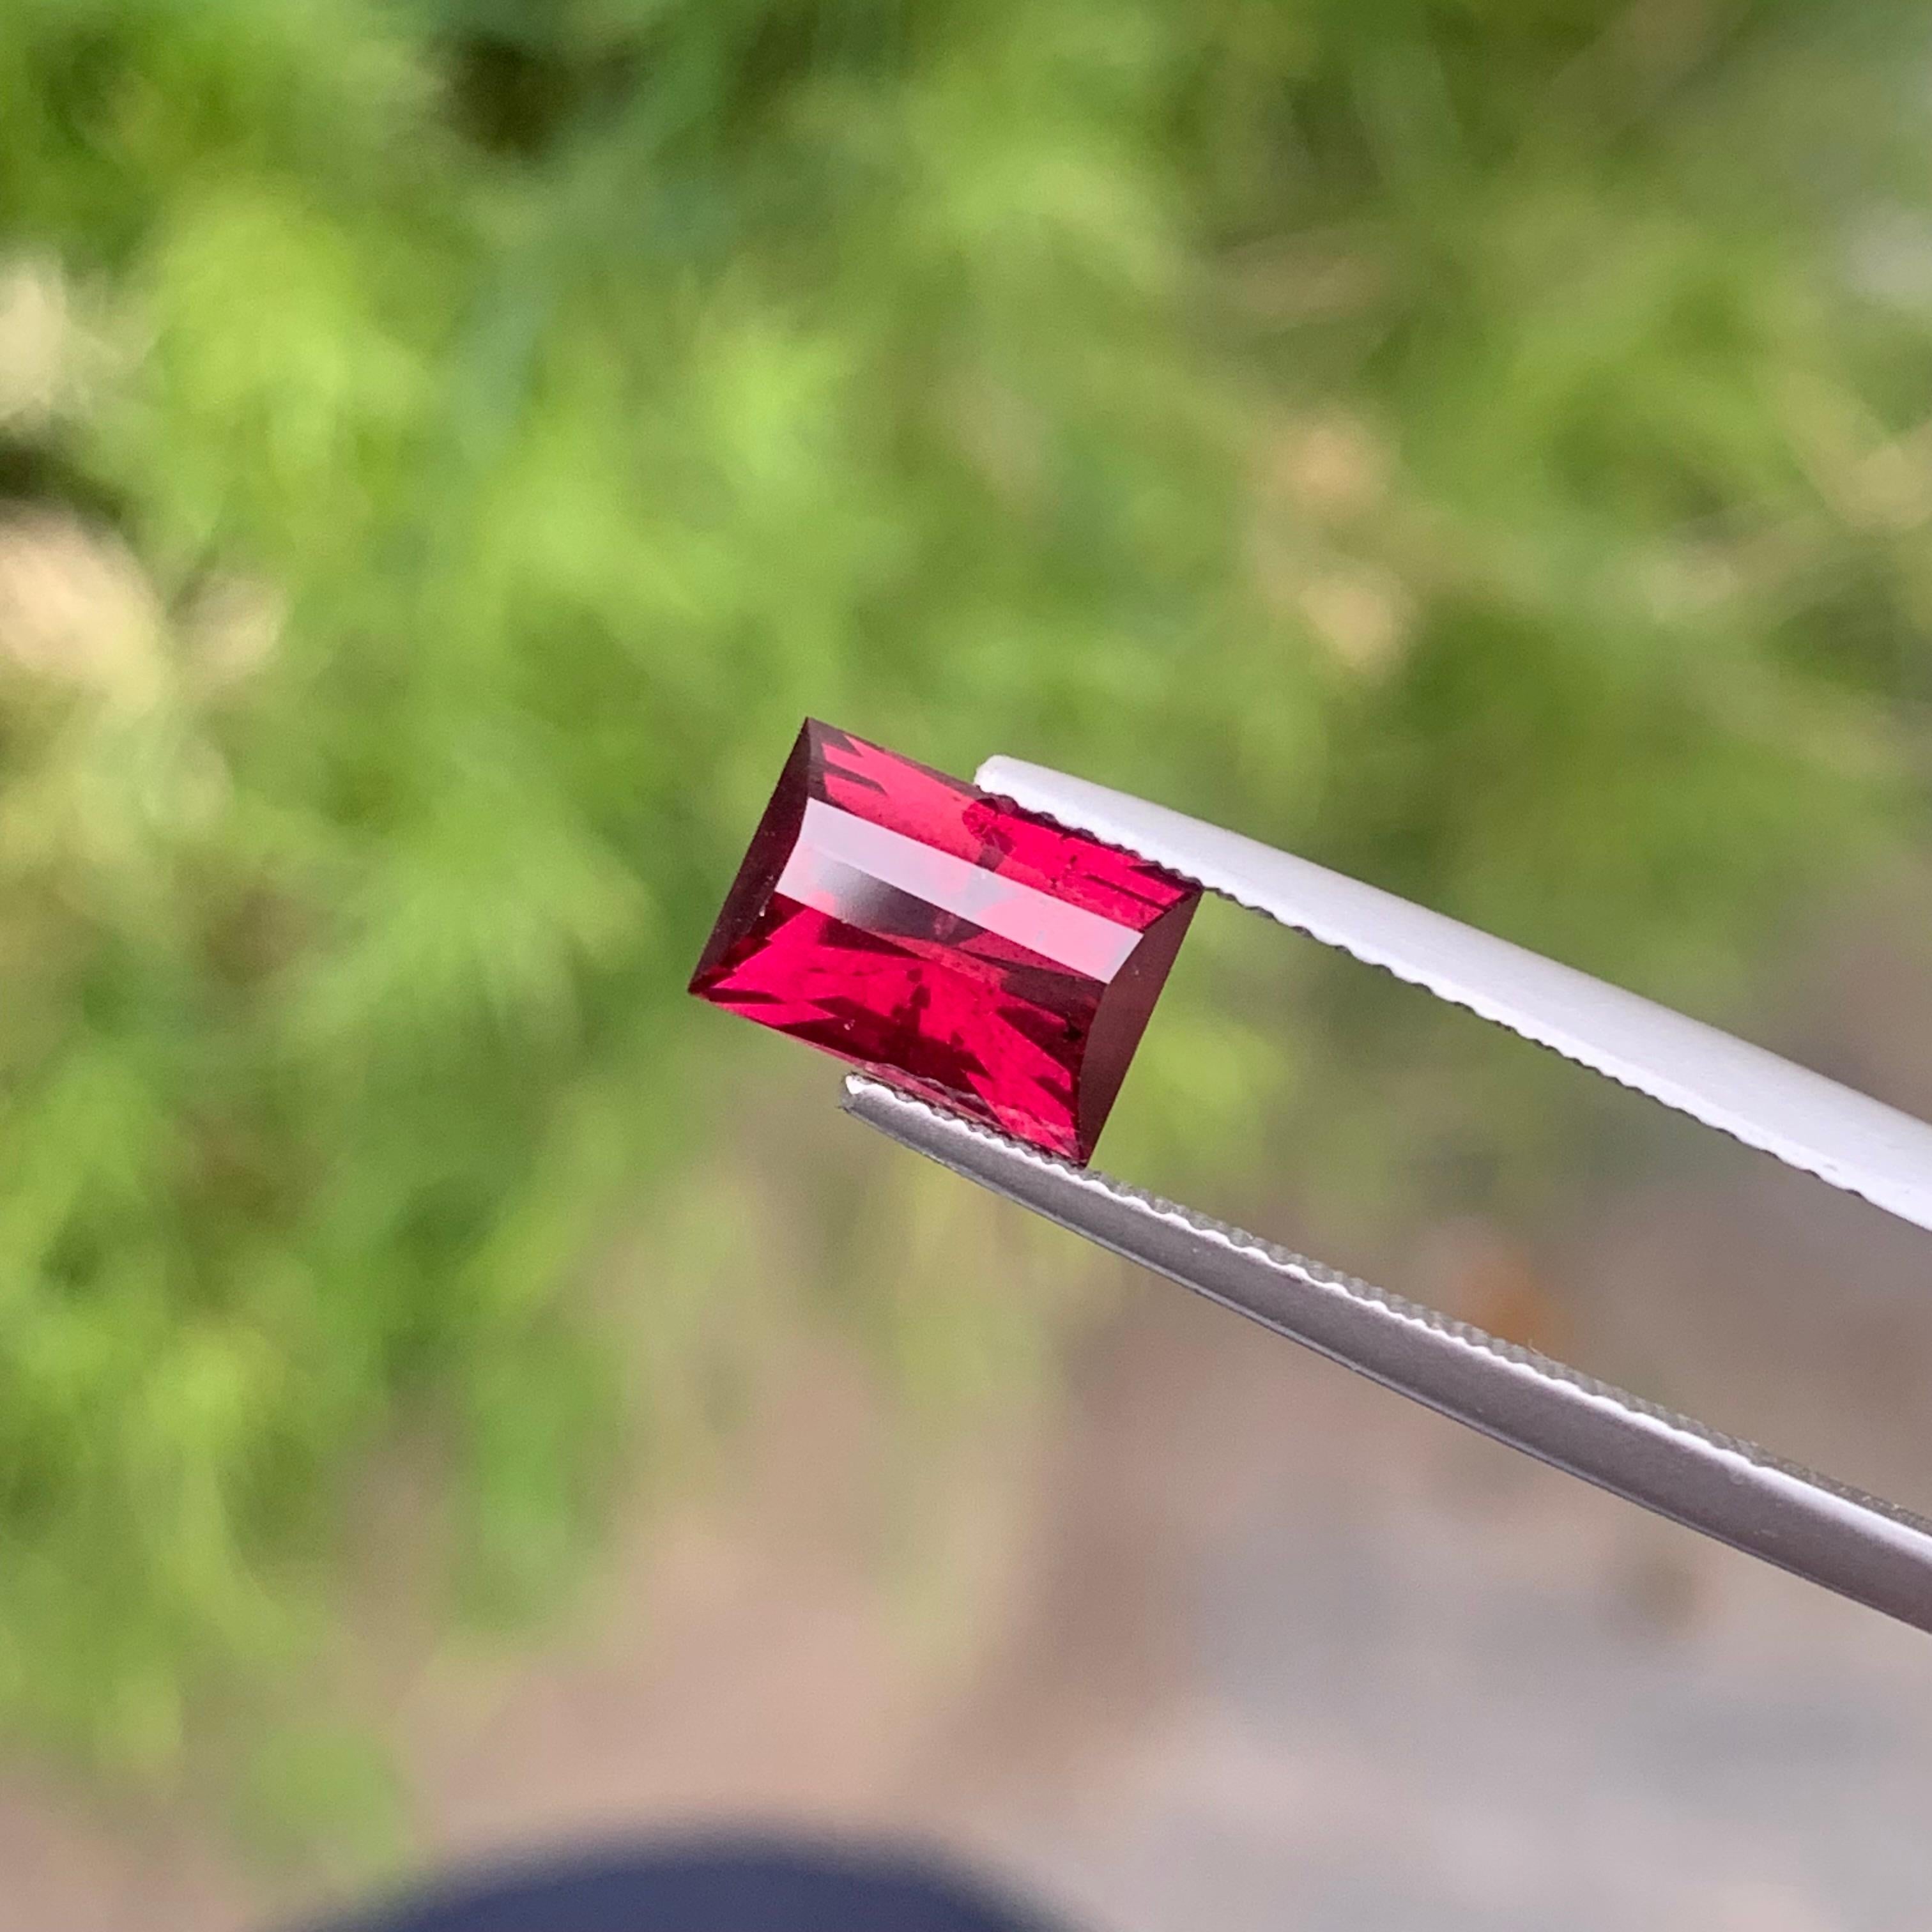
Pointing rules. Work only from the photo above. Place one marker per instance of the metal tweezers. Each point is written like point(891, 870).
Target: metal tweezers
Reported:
point(1871, 1551)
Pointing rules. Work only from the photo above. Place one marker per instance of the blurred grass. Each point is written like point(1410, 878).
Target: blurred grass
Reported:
point(445, 448)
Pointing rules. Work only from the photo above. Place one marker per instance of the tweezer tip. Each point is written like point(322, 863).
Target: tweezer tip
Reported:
point(880, 1104)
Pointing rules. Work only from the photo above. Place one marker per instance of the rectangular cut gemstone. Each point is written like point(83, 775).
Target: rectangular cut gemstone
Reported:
point(946, 941)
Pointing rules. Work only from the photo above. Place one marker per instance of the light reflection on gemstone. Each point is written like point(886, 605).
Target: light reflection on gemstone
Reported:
point(840, 857)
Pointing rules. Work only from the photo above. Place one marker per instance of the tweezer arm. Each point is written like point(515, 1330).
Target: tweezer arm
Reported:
point(1872, 1552)
point(1804, 1120)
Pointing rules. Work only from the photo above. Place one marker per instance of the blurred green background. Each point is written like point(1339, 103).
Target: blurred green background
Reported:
point(444, 448)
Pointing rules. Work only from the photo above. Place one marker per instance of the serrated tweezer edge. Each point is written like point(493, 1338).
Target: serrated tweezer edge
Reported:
point(1871, 1551)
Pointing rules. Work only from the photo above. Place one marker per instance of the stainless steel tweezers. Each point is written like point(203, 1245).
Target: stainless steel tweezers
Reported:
point(1873, 1552)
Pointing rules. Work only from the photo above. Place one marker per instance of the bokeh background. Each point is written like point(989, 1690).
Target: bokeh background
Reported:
point(458, 1395)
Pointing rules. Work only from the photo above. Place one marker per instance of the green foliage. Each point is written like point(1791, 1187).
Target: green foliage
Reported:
point(446, 449)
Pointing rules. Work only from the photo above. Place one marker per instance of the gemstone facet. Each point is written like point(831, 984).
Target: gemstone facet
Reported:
point(946, 941)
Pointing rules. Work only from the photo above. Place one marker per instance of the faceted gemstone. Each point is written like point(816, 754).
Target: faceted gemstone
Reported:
point(946, 941)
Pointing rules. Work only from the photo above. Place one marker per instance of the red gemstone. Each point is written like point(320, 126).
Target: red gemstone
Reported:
point(946, 941)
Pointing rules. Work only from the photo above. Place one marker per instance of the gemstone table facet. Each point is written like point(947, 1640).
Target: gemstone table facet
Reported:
point(942, 940)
